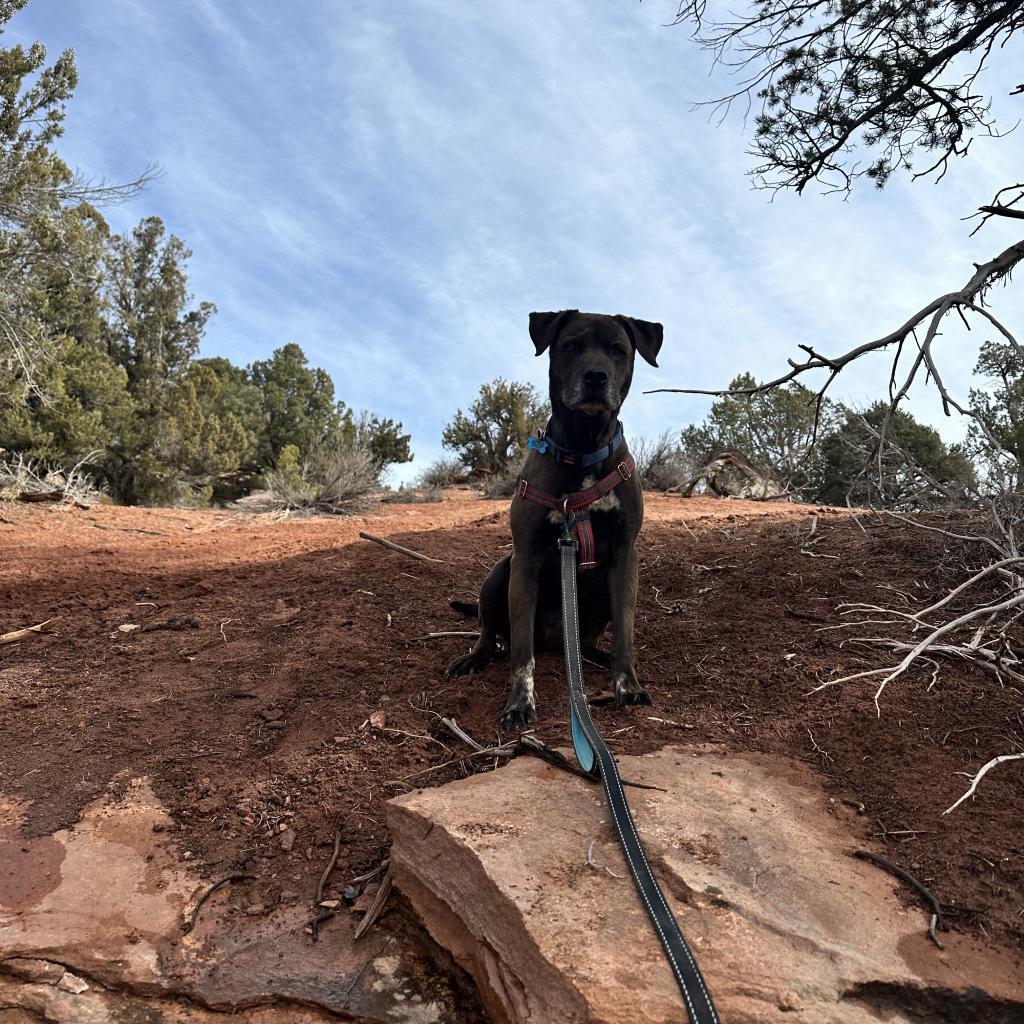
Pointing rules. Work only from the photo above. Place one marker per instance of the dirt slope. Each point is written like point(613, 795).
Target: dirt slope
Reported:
point(265, 647)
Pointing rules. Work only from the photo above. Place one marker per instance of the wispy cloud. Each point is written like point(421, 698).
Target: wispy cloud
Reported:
point(396, 186)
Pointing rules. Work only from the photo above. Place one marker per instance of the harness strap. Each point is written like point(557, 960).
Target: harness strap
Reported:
point(596, 760)
point(575, 506)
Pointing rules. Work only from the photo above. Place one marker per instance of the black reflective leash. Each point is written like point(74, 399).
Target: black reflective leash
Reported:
point(595, 759)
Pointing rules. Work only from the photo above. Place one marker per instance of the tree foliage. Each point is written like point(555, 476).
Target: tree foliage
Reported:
point(493, 435)
point(774, 429)
point(906, 466)
point(835, 77)
point(100, 335)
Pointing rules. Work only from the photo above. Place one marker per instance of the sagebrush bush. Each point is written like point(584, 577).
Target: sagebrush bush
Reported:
point(501, 485)
point(442, 473)
point(660, 463)
point(338, 477)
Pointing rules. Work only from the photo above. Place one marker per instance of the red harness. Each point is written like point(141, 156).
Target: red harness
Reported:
point(575, 506)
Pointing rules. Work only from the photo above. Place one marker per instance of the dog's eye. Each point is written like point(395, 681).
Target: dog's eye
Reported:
point(618, 353)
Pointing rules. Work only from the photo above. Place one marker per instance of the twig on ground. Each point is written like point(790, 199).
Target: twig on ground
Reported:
point(362, 970)
point(906, 876)
point(376, 907)
point(206, 895)
point(591, 863)
point(470, 634)
point(459, 733)
point(398, 548)
point(328, 869)
point(981, 774)
point(22, 634)
point(370, 875)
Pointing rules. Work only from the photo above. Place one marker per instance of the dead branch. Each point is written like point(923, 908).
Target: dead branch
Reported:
point(906, 876)
point(206, 895)
point(969, 298)
point(41, 496)
point(398, 548)
point(459, 733)
point(22, 634)
point(981, 774)
point(328, 869)
point(376, 907)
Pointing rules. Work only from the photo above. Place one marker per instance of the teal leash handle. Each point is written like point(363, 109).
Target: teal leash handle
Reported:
point(595, 759)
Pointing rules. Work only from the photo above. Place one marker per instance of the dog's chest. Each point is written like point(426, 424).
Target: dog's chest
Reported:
point(606, 503)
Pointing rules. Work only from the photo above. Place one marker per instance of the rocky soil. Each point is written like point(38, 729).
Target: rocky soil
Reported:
point(278, 690)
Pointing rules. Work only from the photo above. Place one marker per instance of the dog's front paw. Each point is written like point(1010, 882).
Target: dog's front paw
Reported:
point(519, 715)
point(628, 691)
point(467, 665)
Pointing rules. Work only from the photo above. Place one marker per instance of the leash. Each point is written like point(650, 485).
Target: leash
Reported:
point(595, 759)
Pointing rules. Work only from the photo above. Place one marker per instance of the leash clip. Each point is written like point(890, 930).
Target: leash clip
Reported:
point(623, 472)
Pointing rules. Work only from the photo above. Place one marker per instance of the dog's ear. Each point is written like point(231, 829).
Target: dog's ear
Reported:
point(645, 336)
point(544, 327)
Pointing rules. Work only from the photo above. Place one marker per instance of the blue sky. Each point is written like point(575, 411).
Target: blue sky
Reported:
point(395, 185)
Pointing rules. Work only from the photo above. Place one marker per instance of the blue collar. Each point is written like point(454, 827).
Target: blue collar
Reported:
point(543, 441)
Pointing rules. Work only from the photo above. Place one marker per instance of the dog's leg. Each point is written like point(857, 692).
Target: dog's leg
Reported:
point(524, 581)
point(493, 618)
point(622, 588)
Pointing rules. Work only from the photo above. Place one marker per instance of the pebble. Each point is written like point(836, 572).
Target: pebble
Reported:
point(72, 983)
point(287, 839)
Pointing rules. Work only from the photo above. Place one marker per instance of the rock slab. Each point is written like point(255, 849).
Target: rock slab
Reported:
point(752, 855)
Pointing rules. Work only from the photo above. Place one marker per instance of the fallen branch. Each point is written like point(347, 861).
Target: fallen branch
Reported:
point(470, 634)
point(328, 869)
point(459, 733)
point(41, 496)
point(398, 548)
point(21, 634)
point(206, 895)
point(981, 774)
point(376, 907)
point(906, 876)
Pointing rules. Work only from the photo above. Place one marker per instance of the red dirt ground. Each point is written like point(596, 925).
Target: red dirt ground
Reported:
point(303, 618)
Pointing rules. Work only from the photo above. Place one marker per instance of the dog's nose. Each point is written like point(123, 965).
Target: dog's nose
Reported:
point(594, 379)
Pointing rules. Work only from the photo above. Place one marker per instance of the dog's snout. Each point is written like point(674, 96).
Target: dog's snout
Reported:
point(595, 379)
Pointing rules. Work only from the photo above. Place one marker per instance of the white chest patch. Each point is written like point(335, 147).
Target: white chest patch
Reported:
point(603, 504)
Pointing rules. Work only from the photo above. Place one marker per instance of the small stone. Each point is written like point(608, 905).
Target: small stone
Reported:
point(330, 904)
point(72, 983)
point(275, 725)
point(376, 721)
point(271, 714)
point(128, 627)
point(287, 839)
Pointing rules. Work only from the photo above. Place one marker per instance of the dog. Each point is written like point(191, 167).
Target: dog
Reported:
point(520, 608)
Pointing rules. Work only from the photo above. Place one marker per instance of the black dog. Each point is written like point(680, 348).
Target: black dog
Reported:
point(520, 602)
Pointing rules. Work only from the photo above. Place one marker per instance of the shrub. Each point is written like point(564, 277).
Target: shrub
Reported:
point(339, 477)
point(661, 463)
point(442, 473)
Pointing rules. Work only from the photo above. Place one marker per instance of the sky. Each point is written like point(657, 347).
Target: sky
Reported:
point(395, 186)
